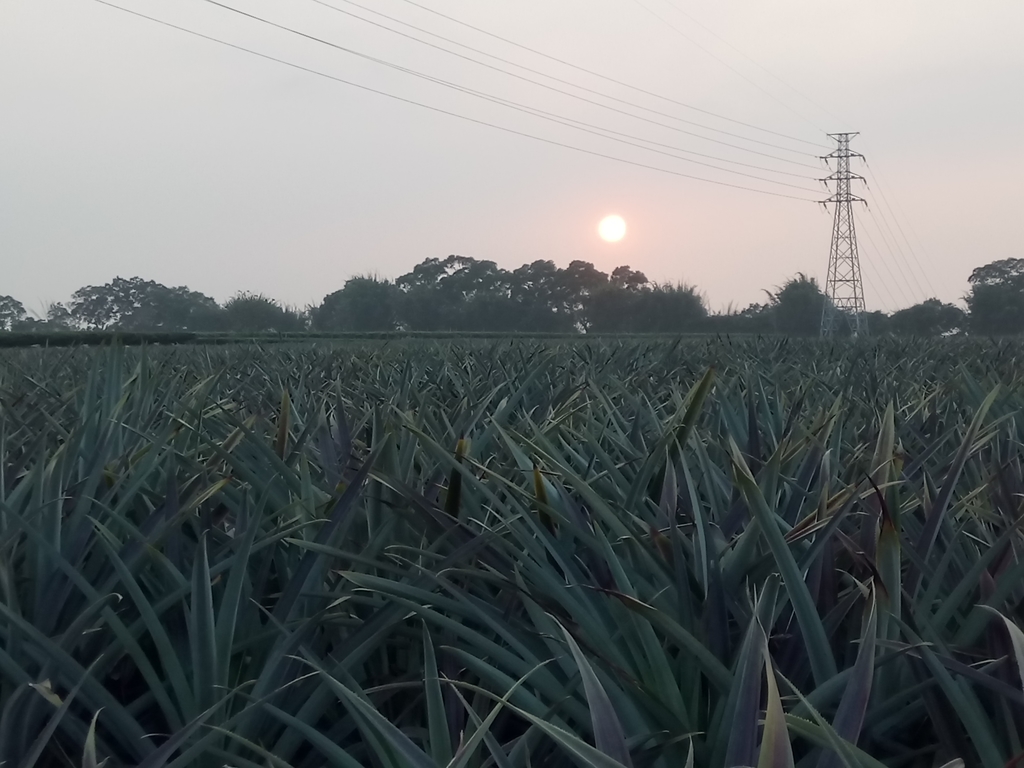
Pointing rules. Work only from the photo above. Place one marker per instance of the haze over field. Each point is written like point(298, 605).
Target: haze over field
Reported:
point(131, 148)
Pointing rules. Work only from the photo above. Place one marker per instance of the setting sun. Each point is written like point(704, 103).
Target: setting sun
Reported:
point(612, 228)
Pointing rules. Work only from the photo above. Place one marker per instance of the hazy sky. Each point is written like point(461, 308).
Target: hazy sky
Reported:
point(128, 148)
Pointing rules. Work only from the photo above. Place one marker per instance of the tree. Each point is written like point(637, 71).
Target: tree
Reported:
point(541, 299)
point(669, 309)
point(427, 301)
point(363, 304)
point(12, 312)
point(996, 297)
point(135, 304)
point(615, 309)
point(929, 318)
point(616, 304)
point(579, 281)
point(255, 313)
point(628, 279)
point(458, 293)
point(878, 323)
point(755, 318)
point(478, 293)
point(631, 304)
point(58, 317)
point(797, 307)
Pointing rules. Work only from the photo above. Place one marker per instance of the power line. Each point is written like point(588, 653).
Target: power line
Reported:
point(898, 252)
point(869, 255)
point(612, 135)
point(866, 255)
point(672, 4)
point(605, 77)
point(913, 253)
point(897, 284)
point(870, 283)
point(875, 295)
point(523, 67)
point(907, 274)
point(913, 288)
point(415, 73)
point(725, 64)
point(497, 100)
point(440, 110)
point(892, 213)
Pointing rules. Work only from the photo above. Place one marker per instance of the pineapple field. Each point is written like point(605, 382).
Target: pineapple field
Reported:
point(513, 554)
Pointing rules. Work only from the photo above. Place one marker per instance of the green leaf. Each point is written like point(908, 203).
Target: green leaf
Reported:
point(283, 423)
point(36, 750)
point(608, 735)
point(402, 744)
point(437, 721)
point(202, 632)
point(776, 750)
point(853, 706)
point(89, 751)
point(819, 651)
point(1016, 642)
point(937, 512)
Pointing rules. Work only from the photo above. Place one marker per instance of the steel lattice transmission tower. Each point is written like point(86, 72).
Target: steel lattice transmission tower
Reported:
point(844, 289)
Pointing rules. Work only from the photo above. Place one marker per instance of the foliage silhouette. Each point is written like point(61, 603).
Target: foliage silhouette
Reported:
point(461, 294)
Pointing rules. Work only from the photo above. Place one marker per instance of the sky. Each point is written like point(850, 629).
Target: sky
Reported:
point(133, 149)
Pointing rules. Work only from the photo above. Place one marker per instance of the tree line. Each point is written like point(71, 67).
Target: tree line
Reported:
point(463, 294)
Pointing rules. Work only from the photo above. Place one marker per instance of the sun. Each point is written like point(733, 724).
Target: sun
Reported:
point(612, 228)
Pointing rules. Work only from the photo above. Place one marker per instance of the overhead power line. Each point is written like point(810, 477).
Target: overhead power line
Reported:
point(612, 135)
point(440, 110)
point(895, 282)
point(415, 73)
point(872, 257)
point(906, 275)
point(873, 293)
point(497, 100)
point(725, 64)
point(676, 7)
point(876, 177)
point(606, 78)
point(525, 68)
point(897, 253)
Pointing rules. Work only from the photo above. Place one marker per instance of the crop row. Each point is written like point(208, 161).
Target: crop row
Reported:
point(512, 554)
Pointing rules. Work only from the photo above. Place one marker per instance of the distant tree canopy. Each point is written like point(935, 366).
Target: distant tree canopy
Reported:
point(12, 313)
point(797, 307)
point(794, 309)
point(463, 294)
point(135, 305)
point(929, 318)
point(996, 297)
point(363, 304)
point(255, 313)
point(142, 305)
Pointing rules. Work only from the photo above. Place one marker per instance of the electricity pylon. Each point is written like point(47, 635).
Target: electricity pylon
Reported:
point(844, 289)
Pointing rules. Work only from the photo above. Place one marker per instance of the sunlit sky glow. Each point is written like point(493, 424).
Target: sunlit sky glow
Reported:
point(612, 228)
point(133, 149)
